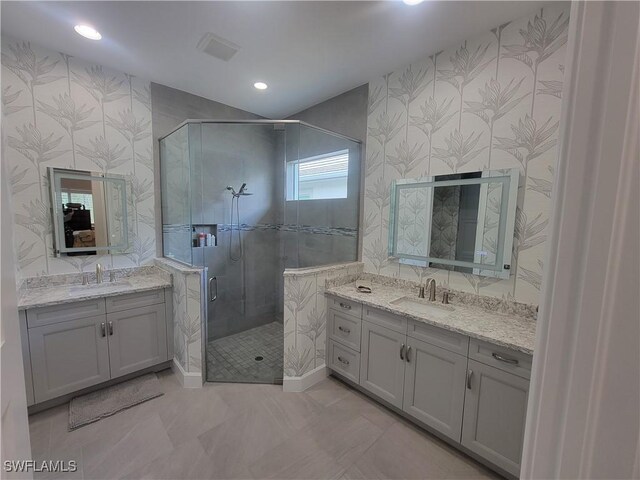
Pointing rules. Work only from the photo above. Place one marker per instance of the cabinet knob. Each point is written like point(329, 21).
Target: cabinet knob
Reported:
point(343, 329)
point(408, 354)
point(469, 375)
point(110, 328)
point(103, 330)
point(402, 352)
point(345, 306)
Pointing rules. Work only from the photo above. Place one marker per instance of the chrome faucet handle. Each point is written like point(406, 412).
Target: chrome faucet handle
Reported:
point(112, 276)
point(98, 273)
point(421, 292)
point(431, 286)
point(445, 298)
point(85, 278)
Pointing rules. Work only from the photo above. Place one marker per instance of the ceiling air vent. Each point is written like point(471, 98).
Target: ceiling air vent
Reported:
point(217, 46)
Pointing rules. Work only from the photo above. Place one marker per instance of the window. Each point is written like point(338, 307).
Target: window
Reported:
point(318, 178)
point(85, 199)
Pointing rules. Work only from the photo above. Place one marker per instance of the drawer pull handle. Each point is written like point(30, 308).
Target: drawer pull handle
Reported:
point(402, 352)
point(408, 354)
point(469, 375)
point(103, 330)
point(110, 328)
point(510, 361)
point(342, 360)
point(344, 305)
point(343, 329)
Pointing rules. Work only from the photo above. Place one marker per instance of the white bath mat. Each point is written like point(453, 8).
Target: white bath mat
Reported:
point(108, 401)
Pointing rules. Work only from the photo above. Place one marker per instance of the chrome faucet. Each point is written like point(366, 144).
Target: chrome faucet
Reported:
point(431, 286)
point(98, 273)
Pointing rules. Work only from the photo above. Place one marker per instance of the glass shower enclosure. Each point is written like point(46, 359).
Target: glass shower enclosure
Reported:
point(245, 200)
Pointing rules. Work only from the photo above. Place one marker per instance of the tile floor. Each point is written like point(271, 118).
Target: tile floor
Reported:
point(233, 358)
point(239, 431)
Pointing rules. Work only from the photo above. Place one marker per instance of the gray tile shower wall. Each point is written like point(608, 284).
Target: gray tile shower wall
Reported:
point(170, 107)
point(345, 113)
point(247, 284)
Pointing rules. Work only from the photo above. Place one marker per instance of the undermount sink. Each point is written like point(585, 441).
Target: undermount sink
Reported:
point(424, 307)
point(97, 286)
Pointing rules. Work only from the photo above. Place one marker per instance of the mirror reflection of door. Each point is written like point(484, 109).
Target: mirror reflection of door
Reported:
point(78, 209)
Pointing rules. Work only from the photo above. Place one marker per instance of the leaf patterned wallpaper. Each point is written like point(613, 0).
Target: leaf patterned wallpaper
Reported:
point(305, 316)
point(188, 291)
point(491, 102)
point(60, 111)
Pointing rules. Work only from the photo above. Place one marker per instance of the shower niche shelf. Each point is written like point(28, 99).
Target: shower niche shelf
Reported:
point(211, 228)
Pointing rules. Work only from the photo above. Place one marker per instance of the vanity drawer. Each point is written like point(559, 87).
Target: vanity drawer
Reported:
point(344, 361)
point(344, 329)
point(38, 317)
point(346, 306)
point(134, 300)
point(385, 319)
point(452, 341)
point(503, 358)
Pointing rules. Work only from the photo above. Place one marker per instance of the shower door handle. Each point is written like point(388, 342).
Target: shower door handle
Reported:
point(213, 296)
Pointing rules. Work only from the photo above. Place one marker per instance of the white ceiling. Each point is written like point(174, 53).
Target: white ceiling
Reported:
point(306, 51)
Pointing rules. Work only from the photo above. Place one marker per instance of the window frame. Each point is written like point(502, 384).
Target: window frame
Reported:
point(292, 184)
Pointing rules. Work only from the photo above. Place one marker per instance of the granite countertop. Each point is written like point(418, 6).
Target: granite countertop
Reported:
point(506, 330)
point(56, 293)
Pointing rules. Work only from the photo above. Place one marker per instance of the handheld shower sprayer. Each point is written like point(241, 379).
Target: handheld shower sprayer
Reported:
point(239, 192)
point(236, 199)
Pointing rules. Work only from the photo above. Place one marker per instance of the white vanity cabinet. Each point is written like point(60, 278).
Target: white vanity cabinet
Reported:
point(137, 339)
point(382, 363)
point(495, 406)
point(473, 392)
point(434, 387)
point(76, 345)
point(68, 356)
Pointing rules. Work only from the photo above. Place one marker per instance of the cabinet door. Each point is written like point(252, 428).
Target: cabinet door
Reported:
point(434, 387)
point(381, 365)
point(495, 408)
point(137, 339)
point(68, 356)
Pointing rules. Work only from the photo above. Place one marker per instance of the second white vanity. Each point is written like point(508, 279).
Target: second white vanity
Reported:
point(78, 336)
point(459, 370)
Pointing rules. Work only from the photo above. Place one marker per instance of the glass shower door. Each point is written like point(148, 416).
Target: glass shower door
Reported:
point(244, 331)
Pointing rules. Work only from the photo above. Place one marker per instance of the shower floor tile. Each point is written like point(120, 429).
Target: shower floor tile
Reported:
point(234, 358)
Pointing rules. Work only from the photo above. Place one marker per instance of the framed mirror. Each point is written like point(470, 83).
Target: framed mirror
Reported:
point(462, 222)
point(89, 212)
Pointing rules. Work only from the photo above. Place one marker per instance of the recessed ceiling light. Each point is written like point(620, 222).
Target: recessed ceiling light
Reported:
point(88, 32)
point(412, 2)
point(260, 85)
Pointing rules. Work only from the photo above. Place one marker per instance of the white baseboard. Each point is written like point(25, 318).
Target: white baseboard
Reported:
point(187, 379)
point(300, 384)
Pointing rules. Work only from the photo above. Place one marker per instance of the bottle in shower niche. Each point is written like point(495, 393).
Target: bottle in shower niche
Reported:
point(194, 237)
point(201, 239)
point(209, 240)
